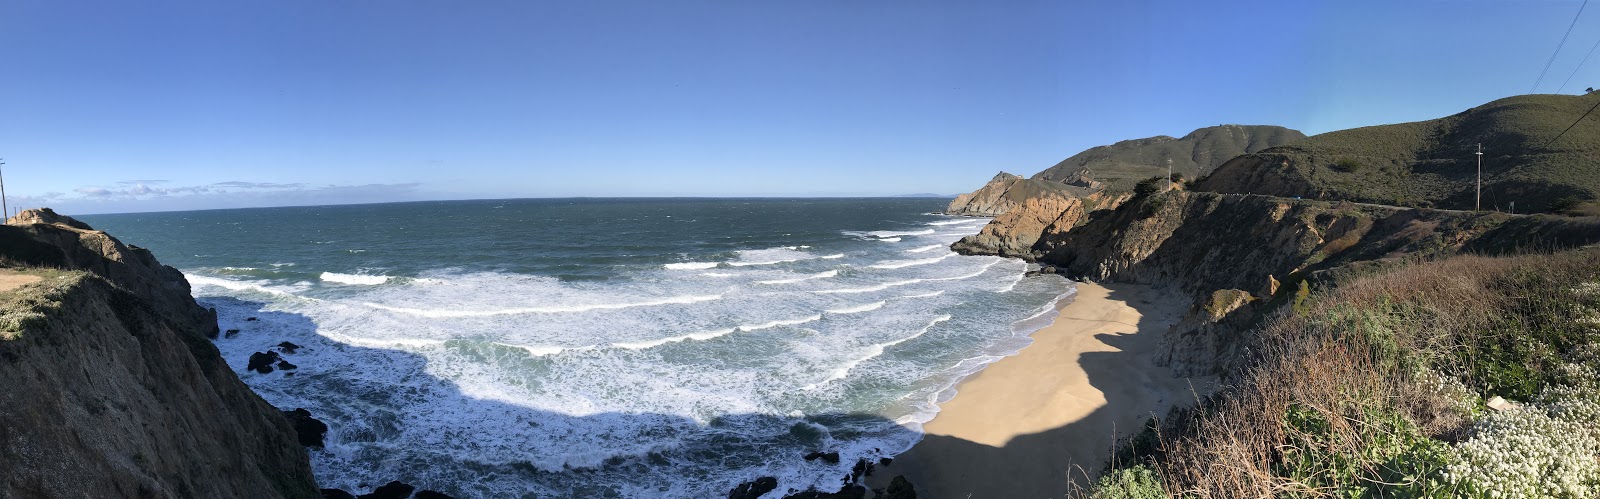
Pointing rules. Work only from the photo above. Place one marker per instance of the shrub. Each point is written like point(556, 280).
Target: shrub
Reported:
point(1347, 165)
point(1137, 482)
point(1150, 186)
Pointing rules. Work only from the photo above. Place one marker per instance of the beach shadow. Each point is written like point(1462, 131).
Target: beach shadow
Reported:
point(367, 420)
point(1054, 462)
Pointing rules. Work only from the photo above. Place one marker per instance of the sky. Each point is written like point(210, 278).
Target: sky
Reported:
point(116, 106)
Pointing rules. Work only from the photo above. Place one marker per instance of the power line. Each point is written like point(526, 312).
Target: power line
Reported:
point(1580, 66)
point(1558, 47)
point(1575, 123)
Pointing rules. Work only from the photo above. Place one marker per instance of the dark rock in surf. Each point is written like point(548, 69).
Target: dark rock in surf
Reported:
point(754, 489)
point(850, 492)
point(285, 365)
point(288, 347)
point(261, 362)
point(391, 490)
point(899, 488)
point(336, 494)
point(310, 430)
point(829, 457)
point(429, 494)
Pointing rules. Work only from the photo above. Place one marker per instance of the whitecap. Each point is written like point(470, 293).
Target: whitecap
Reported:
point(890, 233)
point(858, 309)
point(930, 247)
point(355, 279)
point(441, 313)
point(873, 351)
point(691, 265)
point(831, 257)
point(819, 275)
point(951, 222)
point(890, 239)
point(900, 264)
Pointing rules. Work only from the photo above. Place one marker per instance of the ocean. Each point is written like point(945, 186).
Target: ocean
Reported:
point(602, 347)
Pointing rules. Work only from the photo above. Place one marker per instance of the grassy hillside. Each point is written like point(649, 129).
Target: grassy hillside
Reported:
point(1125, 163)
point(1432, 163)
point(1378, 387)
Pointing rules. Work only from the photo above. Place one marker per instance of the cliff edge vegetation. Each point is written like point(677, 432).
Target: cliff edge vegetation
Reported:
point(112, 386)
point(1469, 376)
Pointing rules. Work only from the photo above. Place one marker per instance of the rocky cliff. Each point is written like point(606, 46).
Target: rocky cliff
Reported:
point(1006, 191)
point(1229, 252)
point(1016, 232)
point(112, 388)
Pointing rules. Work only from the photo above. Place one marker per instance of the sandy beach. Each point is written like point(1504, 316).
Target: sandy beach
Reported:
point(1029, 424)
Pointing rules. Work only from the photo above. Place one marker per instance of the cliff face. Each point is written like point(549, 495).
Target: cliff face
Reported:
point(112, 388)
point(1016, 232)
point(1228, 252)
point(1006, 191)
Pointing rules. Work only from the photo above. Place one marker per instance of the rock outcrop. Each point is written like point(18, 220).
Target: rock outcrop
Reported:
point(1015, 232)
point(1006, 191)
point(112, 387)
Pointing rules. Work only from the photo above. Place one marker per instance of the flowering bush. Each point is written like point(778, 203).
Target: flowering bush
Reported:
point(1548, 448)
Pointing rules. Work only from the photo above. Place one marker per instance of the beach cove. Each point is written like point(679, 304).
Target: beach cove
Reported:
point(1031, 424)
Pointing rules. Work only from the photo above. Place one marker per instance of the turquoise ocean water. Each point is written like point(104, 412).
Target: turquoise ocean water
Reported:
point(603, 347)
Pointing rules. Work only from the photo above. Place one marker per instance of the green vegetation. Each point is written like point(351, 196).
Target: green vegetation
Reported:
point(1433, 163)
point(1123, 164)
point(1150, 186)
point(1375, 385)
point(1137, 482)
point(1347, 165)
point(24, 307)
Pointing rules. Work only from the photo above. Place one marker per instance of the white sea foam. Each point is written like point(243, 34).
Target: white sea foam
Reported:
point(858, 309)
point(890, 239)
point(702, 336)
point(781, 322)
point(444, 313)
point(900, 264)
point(718, 274)
point(355, 279)
point(832, 257)
point(925, 295)
point(889, 233)
point(236, 285)
point(691, 265)
point(930, 247)
point(872, 352)
point(955, 222)
point(819, 275)
point(536, 350)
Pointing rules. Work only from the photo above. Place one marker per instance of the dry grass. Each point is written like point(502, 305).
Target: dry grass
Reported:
point(1357, 392)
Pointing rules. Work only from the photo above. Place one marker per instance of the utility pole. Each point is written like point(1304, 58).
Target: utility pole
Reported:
point(3, 207)
point(1169, 174)
point(1478, 204)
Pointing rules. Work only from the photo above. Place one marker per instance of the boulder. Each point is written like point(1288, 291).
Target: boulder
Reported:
point(754, 489)
point(391, 490)
point(309, 429)
point(829, 457)
point(261, 362)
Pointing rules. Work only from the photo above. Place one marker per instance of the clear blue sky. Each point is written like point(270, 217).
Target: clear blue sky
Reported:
point(109, 106)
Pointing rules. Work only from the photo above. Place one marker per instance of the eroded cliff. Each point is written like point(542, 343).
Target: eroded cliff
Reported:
point(1006, 191)
point(112, 388)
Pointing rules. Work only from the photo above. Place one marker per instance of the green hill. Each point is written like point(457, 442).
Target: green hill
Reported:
point(1125, 163)
point(1432, 163)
